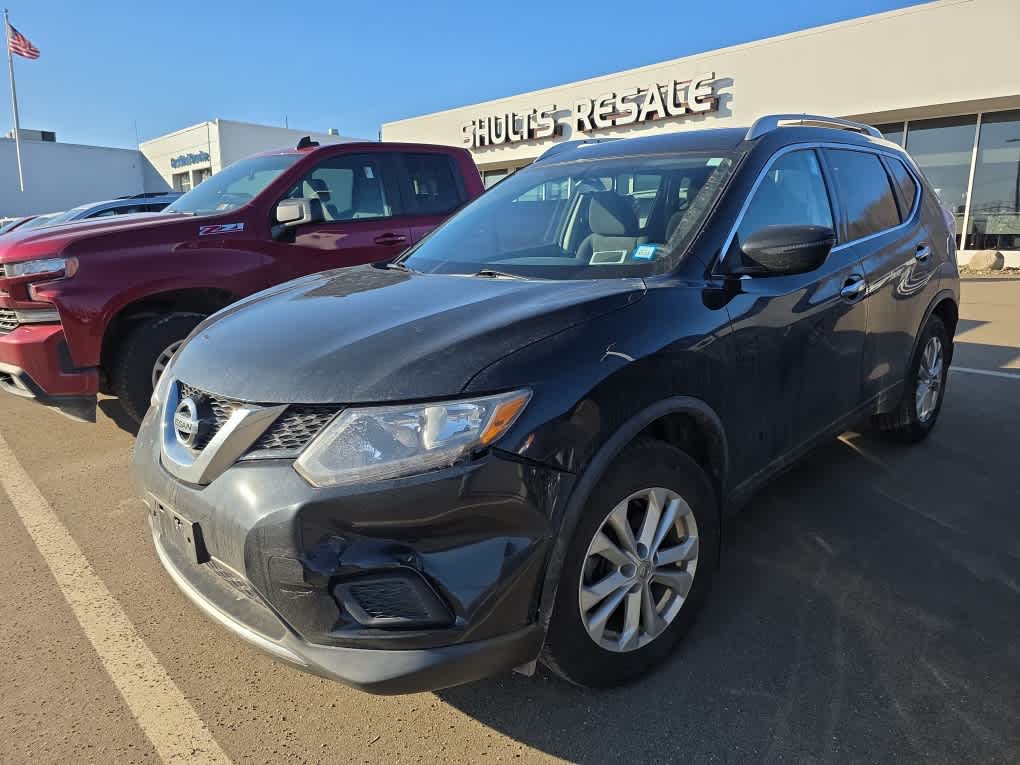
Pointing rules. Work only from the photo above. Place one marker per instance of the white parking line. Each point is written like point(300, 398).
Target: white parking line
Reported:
point(164, 715)
point(988, 372)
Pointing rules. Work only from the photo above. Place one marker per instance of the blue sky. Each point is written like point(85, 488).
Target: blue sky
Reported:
point(107, 66)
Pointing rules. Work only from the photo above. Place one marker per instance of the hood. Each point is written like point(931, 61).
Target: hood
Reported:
point(373, 335)
point(52, 240)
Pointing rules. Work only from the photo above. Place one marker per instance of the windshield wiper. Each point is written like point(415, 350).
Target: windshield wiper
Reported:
point(488, 273)
point(399, 266)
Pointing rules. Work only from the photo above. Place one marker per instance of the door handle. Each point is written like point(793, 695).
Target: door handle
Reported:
point(923, 252)
point(387, 239)
point(854, 288)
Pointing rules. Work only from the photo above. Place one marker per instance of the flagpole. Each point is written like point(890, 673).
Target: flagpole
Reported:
point(14, 101)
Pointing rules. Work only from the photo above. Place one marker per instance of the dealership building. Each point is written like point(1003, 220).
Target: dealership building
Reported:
point(942, 78)
point(59, 176)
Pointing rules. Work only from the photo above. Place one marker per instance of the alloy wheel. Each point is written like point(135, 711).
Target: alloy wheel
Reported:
point(929, 380)
point(163, 360)
point(638, 570)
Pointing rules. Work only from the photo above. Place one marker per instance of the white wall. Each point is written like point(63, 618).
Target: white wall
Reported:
point(159, 151)
point(242, 139)
point(59, 176)
point(226, 142)
point(953, 54)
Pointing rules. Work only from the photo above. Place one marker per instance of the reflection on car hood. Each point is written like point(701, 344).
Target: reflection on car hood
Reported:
point(370, 335)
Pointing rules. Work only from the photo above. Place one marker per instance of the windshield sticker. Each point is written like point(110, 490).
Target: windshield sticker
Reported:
point(645, 252)
point(220, 228)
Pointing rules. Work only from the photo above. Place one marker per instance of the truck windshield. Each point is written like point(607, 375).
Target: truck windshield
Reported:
point(582, 219)
point(234, 186)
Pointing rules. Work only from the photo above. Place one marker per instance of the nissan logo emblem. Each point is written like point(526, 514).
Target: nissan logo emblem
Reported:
point(186, 422)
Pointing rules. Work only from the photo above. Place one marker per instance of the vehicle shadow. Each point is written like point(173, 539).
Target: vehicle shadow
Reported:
point(866, 608)
point(114, 413)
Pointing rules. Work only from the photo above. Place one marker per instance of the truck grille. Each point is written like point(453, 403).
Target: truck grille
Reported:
point(288, 435)
point(8, 320)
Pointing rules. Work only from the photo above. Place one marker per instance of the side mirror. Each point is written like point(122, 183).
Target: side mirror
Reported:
point(297, 212)
point(785, 250)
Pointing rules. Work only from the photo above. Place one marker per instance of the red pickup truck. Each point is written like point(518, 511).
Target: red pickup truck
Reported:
point(102, 305)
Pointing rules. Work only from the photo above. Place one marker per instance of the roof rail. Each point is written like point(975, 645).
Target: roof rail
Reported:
point(770, 122)
point(147, 195)
point(559, 148)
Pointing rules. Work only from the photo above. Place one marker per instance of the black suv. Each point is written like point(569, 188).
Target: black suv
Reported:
point(517, 442)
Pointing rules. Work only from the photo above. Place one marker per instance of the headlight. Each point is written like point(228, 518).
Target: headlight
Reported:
point(65, 267)
point(373, 444)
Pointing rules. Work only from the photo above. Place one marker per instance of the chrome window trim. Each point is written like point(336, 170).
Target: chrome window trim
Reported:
point(825, 145)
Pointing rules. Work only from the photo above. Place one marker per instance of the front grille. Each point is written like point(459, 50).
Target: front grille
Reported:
point(220, 407)
point(288, 435)
point(8, 320)
point(294, 429)
point(3, 271)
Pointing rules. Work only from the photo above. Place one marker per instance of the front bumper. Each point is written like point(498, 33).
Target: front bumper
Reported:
point(35, 363)
point(279, 552)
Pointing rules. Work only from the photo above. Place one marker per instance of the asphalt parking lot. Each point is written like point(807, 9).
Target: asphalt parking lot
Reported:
point(868, 610)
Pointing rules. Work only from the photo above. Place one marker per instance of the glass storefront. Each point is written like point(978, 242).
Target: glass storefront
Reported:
point(994, 222)
point(943, 149)
point(985, 198)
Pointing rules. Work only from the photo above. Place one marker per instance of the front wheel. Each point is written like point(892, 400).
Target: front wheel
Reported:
point(925, 387)
point(639, 566)
point(144, 357)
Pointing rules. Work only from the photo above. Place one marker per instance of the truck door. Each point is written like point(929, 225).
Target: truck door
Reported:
point(363, 216)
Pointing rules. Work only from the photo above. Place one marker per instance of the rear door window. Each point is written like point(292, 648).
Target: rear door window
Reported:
point(905, 182)
point(792, 193)
point(865, 190)
point(431, 184)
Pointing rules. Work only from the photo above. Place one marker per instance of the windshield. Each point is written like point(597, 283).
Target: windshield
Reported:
point(235, 186)
point(584, 219)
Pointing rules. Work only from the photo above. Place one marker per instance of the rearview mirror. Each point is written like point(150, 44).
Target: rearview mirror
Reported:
point(784, 250)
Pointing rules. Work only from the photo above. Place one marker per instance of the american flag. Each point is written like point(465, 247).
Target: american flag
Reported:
point(20, 44)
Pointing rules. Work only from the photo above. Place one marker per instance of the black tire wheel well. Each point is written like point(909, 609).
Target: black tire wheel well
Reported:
point(697, 440)
point(203, 301)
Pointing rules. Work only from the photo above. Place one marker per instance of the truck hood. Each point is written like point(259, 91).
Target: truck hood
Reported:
point(372, 335)
point(54, 240)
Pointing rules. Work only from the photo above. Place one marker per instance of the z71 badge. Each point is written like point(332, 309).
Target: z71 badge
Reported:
point(220, 228)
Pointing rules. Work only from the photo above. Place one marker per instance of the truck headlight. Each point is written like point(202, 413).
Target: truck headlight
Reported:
point(376, 443)
point(54, 267)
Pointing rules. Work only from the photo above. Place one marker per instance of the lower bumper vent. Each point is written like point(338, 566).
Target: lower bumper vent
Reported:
point(398, 599)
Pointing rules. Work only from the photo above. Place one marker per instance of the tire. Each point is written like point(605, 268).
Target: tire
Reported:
point(571, 649)
point(911, 422)
point(133, 366)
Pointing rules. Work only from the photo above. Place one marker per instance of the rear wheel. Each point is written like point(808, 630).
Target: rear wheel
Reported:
point(925, 387)
point(638, 569)
point(144, 357)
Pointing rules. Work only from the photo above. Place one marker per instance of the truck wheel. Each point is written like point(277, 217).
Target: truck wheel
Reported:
point(639, 567)
point(925, 387)
point(143, 357)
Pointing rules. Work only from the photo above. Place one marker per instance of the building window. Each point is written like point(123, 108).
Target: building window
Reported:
point(943, 149)
point(492, 177)
point(994, 221)
point(197, 176)
point(892, 132)
point(182, 181)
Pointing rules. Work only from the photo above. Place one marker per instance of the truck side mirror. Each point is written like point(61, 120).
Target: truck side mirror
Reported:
point(298, 212)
